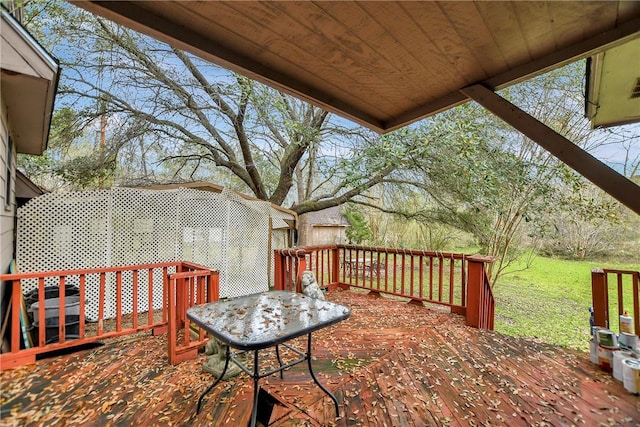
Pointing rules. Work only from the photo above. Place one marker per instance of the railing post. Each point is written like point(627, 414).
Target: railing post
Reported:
point(173, 328)
point(213, 291)
point(302, 267)
point(278, 271)
point(335, 268)
point(600, 298)
point(635, 286)
point(180, 295)
point(474, 293)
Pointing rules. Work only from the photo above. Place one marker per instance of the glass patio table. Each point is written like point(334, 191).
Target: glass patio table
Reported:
point(261, 321)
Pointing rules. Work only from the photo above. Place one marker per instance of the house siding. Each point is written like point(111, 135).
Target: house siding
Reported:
point(7, 207)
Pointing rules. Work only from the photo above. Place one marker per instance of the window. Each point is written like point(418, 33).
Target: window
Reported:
point(635, 93)
point(7, 193)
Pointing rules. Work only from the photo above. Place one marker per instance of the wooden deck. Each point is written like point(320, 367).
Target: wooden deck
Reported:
point(390, 364)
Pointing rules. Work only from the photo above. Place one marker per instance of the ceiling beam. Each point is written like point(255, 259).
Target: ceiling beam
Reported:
point(617, 185)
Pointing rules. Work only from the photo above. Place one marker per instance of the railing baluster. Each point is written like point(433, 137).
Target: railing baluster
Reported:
point(118, 301)
point(394, 282)
point(440, 276)
point(403, 267)
point(431, 278)
point(42, 326)
point(134, 302)
point(357, 266)
point(411, 276)
point(150, 297)
point(61, 310)
point(165, 294)
point(451, 277)
point(421, 277)
point(620, 293)
point(369, 263)
point(463, 280)
point(319, 260)
point(101, 298)
point(16, 298)
point(82, 291)
point(377, 269)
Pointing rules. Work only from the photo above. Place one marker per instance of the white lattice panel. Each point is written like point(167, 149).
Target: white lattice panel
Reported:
point(246, 245)
point(66, 231)
point(56, 233)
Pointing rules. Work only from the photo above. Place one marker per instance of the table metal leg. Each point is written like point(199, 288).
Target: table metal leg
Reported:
point(256, 377)
point(279, 361)
point(224, 371)
point(335, 401)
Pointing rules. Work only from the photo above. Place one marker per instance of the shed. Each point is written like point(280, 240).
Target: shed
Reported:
point(323, 227)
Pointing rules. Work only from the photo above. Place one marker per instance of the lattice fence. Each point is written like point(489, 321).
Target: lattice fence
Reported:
point(121, 226)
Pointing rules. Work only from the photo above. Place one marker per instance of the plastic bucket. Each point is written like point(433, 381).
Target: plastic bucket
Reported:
point(52, 328)
point(631, 375)
point(607, 338)
point(605, 358)
point(593, 351)
point(52, 307)
point(618, 358)
point(628, 341)
point(626, 324)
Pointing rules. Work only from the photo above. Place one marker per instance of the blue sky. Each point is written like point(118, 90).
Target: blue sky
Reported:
point(623, 144)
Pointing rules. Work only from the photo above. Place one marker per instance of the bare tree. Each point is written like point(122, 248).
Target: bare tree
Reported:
point(183, 115)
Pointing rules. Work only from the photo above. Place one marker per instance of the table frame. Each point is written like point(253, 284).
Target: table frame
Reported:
point(254, 373)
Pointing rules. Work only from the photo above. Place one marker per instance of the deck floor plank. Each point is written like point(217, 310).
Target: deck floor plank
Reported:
point(395, 364)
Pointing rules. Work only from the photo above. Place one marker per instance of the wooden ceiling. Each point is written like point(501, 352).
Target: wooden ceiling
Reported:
point(383, 64)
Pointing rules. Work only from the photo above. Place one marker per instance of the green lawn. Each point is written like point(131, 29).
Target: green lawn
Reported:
point(550, 300)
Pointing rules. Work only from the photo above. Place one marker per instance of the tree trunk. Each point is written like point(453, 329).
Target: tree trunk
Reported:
point(304, 230)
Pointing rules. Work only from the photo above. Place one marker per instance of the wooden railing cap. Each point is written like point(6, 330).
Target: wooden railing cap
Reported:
point(480, 258)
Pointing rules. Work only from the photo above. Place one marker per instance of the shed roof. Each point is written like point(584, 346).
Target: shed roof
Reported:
point(289, 216)
point(332, 217)
point(383, 64)
point(25, 188)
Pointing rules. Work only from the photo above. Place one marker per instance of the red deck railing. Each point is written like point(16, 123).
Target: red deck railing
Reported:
point(191, 286)
point(149, 289)
point(455, 280)
point(626, 296)
point(155, 297)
